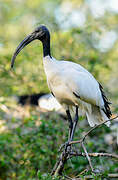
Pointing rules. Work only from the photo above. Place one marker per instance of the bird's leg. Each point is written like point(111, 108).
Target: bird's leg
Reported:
point(74, 124)
point(70, 130)
point(70, 124)
point(72, 127)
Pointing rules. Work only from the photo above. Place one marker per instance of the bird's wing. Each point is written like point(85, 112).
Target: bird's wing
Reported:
point(88, 89)
point(83, 84)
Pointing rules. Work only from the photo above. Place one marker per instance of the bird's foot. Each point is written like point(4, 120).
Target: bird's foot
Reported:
point(66, 146)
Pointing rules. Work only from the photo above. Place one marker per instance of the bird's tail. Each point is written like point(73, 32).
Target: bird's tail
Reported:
point(95, 116)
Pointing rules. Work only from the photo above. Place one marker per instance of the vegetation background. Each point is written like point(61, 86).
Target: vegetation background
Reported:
point(82, 31)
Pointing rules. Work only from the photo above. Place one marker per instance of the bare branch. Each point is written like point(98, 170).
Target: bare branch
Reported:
point(94, 154)
point(87, 156)
point(91, 177)
point(58, 168)
point(65, 155)
point(92, 129)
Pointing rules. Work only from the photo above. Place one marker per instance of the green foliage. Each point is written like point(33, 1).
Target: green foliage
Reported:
point(31, 149)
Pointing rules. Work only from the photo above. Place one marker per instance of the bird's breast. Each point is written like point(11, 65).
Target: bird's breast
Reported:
point(61, 91)
point(57, 82)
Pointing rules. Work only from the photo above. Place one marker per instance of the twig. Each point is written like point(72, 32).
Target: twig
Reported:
point(87, 156)
point(58, 168)
point(94, 154)
point(82, 140)
point(92, 129)
point(67, 177)
point(91, 177)
point(113, 175)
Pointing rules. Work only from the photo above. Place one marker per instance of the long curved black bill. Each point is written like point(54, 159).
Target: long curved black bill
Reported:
point(25, 42)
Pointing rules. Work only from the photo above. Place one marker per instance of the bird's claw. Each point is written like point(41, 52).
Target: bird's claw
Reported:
point(66, 145)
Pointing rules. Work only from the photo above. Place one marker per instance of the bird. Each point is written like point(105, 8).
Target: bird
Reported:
point(71, 84)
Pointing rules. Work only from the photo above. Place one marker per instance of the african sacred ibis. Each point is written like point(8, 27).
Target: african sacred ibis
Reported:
point(71, 84)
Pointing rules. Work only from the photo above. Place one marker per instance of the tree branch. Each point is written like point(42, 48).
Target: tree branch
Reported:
point(94, 154)
point(58, 168)
point(92, 129)
point(91, 177)
point(65, 155)
point(87, 156)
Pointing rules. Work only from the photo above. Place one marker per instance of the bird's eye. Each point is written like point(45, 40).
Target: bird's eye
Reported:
point(37, 29)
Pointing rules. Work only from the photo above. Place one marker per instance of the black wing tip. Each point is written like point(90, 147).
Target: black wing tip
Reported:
point(76, 95)
point(107, 109)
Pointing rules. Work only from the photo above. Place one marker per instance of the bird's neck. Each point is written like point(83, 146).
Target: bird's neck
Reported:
point(46, 47)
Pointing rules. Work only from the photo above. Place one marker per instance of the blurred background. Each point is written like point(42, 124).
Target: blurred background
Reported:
point(82, 31)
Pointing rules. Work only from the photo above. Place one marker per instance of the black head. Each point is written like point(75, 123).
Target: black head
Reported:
point(41, 33)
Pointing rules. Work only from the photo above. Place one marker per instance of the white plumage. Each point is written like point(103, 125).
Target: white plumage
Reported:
point(65, 79)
